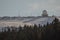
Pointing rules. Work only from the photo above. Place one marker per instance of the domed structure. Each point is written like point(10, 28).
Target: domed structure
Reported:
point(44, 13)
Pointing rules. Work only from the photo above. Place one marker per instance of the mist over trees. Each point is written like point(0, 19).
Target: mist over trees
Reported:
point(36, 32)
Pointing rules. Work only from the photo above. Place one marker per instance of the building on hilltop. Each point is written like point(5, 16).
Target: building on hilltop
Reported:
point(44, 13)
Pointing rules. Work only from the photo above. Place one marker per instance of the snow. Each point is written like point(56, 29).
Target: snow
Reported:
point(27, 21)
point(43, 21)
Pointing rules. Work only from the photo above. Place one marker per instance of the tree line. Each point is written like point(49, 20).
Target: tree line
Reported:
point(37, 32)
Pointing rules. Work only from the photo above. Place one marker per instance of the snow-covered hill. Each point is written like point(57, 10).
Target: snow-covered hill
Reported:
point(28, 21)
point(43, 20)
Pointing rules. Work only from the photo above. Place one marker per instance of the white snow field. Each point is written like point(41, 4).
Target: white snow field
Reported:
point(43, 20)
point(27, 21)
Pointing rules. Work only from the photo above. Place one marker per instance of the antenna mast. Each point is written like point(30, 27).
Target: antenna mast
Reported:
point(18, 13)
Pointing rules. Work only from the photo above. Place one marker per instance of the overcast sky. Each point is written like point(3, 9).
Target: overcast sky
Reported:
point(29, 7)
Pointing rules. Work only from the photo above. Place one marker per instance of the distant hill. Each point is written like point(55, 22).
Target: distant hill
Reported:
point(16, 21)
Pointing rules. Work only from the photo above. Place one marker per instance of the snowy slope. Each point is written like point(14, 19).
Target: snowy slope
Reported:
point(42, 21)
point(27, 21)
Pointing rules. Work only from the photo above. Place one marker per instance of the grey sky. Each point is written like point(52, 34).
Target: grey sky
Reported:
point(29, 7)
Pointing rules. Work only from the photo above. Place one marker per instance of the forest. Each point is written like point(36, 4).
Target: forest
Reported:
point(37, 32)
